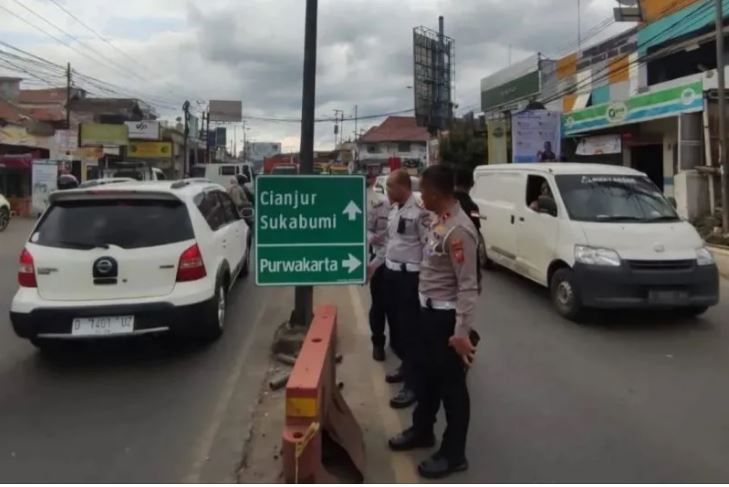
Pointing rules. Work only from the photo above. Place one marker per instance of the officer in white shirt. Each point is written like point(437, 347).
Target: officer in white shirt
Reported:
point(377, 216)
point(407, 233)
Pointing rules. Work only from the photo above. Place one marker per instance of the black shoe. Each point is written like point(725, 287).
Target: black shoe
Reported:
point(378, 354)
point(404, 399)
point(438, 466)
point(395, 376)
point(411, 439)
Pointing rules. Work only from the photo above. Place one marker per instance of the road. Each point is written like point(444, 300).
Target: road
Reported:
point(639, 397)
point(135, 411)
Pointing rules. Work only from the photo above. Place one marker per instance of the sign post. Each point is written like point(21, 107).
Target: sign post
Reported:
point(310, 230)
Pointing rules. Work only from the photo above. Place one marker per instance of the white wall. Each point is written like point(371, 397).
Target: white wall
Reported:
point(385, 150)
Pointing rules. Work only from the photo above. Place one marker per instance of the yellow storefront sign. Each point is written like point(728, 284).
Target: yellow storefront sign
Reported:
point(103, 134)
point(150, 150)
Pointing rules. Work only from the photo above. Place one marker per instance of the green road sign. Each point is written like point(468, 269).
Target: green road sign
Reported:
point(310, 230)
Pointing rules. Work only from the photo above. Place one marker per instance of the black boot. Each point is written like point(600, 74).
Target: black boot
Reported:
point(438, 466)
point(395, 377)
point(410, 439)
point(404, 399)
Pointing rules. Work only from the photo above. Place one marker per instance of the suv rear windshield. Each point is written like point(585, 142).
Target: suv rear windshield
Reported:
point(130, 224)
point(614, 198)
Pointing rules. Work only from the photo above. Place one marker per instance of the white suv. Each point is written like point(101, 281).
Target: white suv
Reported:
point(130, 259)
point(4, 213)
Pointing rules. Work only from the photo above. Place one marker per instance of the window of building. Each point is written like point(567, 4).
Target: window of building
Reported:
point(403, 147)
point(372, 149)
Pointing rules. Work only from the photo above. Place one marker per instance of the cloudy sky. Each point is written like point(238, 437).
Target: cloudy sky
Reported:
point(252, 50)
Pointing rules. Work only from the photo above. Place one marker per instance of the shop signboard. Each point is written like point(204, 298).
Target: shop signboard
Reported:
point(498, 135)
point(226, 111)
point(536, 136)
point(144, 130)
point(516, 89)
point(685, 98)
point(599, 145)
point(45, 178)
point(101, 134)
point(311, 230)
point(150, 150)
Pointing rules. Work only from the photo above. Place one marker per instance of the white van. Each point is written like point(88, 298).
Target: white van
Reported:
point(222, 173)
point(597, 236)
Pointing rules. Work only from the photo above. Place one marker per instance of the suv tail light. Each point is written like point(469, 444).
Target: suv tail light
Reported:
point(26, 272)
point(191, 266)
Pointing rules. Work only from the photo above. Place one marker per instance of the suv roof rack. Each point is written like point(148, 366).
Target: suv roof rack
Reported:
point(187, 182)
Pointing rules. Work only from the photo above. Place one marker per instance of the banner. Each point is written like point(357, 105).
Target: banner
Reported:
point(498, 149)
point(225, 111)
point(536, 136)
point(100, 134)
point(143, 130)
point(45, 177)
point(150, 150)
point(599, 145)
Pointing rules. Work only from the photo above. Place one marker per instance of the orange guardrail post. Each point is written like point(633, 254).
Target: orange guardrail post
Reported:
point(315, 407)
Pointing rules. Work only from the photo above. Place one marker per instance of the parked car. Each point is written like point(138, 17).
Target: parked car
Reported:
point(597, 236)
point(131, 259)
point(139, 171)
point(4, 213)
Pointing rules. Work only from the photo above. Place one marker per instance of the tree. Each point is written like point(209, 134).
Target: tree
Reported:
point(463, 146)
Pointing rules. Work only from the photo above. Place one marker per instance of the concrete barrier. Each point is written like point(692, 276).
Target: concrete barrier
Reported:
point(721, 254)
point(315, 408)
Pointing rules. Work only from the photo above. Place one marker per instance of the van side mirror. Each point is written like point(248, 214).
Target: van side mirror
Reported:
point(247, 212)
point(547, 205)
point(673, 202)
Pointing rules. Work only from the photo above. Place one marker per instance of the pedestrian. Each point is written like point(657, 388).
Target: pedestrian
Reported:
point(379, 209)
point(237, 194)
point(406, 231)
point(444, 343)
point(463, 182)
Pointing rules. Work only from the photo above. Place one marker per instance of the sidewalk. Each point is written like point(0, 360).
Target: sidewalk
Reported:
point(365, 390)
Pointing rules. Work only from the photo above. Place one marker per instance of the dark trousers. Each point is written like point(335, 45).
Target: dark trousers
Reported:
point(377, 309)
point(402, 309)
point(441, 377)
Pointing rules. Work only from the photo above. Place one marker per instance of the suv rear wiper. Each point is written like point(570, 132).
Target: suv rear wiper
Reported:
point(83, 245)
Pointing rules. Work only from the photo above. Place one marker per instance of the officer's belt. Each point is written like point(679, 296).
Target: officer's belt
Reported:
point(398, 267)
point(428, 303)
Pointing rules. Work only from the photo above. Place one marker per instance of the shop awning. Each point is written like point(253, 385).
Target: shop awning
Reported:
point(20, 161)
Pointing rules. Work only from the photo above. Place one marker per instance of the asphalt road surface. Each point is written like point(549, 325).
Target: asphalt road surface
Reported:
point(142, 410)
point(630, 397)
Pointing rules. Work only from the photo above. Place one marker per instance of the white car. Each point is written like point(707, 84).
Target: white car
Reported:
point(4, 213)
point(131, 259)
point(104, 181)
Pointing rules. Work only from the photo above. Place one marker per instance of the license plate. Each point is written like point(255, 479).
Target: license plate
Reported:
point(103, 326)
point(668, 297)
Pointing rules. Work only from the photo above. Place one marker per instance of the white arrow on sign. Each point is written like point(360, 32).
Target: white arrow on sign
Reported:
point(352, 210)
point(352, 263)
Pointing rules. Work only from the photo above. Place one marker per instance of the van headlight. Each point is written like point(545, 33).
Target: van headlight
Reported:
point(596, 256)
point(704, 256)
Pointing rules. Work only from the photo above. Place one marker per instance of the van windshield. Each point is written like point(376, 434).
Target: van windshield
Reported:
point(614, 198)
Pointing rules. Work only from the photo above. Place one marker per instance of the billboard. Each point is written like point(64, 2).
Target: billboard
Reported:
point(221, 137)
point(150, 150)
point(433, 73)
point(144, 130)
point(226, 111)
point(258, 151)
point(101, 134)
point(536, 136)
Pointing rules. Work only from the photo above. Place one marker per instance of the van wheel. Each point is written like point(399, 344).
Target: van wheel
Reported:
point(565, 295)
point(215, 315)
point(694, 311)
point(4, 218)
point(47, 347)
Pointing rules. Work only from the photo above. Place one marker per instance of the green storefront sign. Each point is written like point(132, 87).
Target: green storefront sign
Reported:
point(310, 230)
point(516, 89)
point(648, 106)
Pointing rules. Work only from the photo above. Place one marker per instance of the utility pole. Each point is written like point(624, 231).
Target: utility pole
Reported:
point(337, 114)
point(723, 162)
point(355, 122)
point(304, 295)
point(579, 24)
point(186, 110)
point(207, 142)
point(68, 96)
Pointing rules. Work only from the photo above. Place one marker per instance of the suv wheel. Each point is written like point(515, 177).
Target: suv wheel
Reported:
point(565, 296)
point(215, 316)
point(4, 218)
